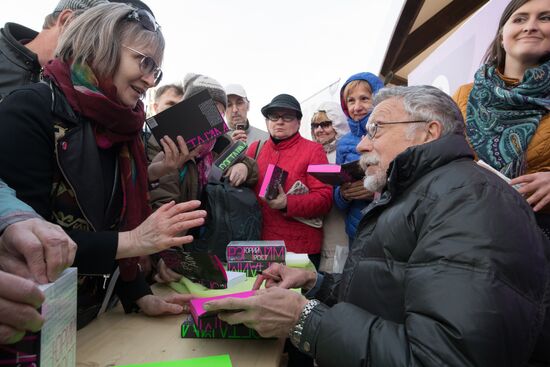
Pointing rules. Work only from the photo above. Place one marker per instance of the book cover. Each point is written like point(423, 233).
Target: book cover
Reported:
point(231, 155)
point(250, 268)
point(55, 344)
point(196, 305)
point(214, 328)
point(274, 176)
point(196, 119)
point(335, 174)
point(497, 172)
point(210, 361)
point(234, 278)
point(200, 267)
point(274, 251)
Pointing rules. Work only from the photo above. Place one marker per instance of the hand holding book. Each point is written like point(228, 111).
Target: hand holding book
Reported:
point(272, 312)
point(279, 202)
point(171, 159)
point(237, 174)
point(355, 191)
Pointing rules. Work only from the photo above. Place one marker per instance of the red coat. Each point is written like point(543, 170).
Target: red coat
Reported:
point(294, 155)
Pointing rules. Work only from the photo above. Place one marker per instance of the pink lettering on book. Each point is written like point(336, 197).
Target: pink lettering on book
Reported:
point(206, 136)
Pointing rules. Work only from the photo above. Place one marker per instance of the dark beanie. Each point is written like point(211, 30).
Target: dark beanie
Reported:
point(283, 101)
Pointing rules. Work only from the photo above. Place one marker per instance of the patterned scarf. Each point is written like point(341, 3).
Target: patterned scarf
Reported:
point(502, 119)
point(330, 146)
point(113, 123)
point(204, 162)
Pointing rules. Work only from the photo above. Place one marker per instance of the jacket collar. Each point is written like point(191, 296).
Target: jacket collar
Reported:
point(285, 144)
point(417, 161)
point(12, 36)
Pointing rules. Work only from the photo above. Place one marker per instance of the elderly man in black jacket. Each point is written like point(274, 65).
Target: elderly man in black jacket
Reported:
point(448, 267)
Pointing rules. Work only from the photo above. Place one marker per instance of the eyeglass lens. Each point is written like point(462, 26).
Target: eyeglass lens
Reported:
point(323, 124)
point(286, 118)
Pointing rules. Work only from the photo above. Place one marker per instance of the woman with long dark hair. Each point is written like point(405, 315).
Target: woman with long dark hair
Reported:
point(506, 108)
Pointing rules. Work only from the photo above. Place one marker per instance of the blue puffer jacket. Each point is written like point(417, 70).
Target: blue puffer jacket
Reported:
point(346, 152)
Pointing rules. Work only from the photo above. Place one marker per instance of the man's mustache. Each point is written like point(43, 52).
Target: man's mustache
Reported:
point(368, 160)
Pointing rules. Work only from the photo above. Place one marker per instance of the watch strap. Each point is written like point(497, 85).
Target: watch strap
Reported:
point(297, 332)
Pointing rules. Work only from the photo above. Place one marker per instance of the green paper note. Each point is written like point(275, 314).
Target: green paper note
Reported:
point(213, 361)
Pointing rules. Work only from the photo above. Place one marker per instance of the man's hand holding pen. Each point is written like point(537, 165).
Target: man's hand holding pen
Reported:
point(282, 276)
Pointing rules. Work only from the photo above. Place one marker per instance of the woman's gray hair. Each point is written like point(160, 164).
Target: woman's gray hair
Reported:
point(426, 103)
point(97, 35)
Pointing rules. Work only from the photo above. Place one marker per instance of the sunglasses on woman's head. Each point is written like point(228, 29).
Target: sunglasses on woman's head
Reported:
point(144, 18)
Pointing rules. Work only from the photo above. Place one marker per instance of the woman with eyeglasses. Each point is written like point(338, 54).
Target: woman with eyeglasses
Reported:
point(506, 108)
point(294, 215)
point(328, 125)
point(356, 100)
point(70, 146)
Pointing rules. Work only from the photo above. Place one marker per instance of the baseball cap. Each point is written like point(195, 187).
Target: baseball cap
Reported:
point(235, 89)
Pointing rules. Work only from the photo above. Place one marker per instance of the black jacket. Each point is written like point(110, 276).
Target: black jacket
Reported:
point(448, 269)
point(31, 162)
point(18, 65)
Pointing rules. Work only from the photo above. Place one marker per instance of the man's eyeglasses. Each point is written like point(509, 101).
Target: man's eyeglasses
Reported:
point(286, 117)
point(144, 18)
point(322, 125)
point(148, 66)
point(372, 127)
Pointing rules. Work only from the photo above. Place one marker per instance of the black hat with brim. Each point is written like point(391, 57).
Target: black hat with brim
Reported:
point(283, 101)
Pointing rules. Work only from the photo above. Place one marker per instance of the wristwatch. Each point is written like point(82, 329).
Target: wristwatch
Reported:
point(296, 332)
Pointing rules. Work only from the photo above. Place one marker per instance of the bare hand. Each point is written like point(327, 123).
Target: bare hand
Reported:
point(163, 229)
point(355, 191)
point(36, 249)
point(279, 202)
point(237, 174)
point(19, 299)
point(271, 312)
point(165, 274)
point(173, 304)
point(536, 188)
point(239, 135)
point(171, 159)
point(282, 276)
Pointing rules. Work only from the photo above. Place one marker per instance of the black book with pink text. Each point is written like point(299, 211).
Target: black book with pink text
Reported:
point(196, 119)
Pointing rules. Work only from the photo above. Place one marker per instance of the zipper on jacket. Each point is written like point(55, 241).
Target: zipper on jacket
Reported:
point(72, 188)
point(105, 278)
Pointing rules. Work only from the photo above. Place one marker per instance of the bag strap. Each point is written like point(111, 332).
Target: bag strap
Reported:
point(258, 148)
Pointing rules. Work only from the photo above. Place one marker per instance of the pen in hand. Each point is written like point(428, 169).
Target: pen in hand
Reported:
point(273, 277)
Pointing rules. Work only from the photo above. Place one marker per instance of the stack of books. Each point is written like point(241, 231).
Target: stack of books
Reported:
point(214, 328)
point(253, 256)
point(204, 324)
